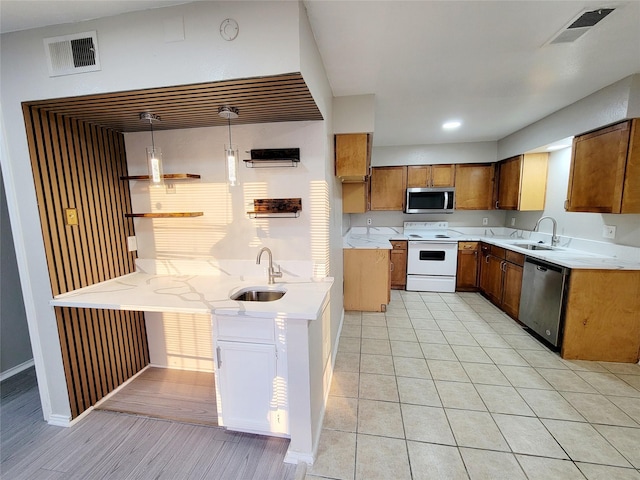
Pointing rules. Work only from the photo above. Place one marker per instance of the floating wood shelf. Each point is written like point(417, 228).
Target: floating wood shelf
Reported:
point(164, 215)
point(276, 208)
point(167, 176)
point(273, 157)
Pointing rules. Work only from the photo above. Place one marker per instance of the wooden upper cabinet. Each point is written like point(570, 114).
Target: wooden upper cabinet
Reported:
point(522, 182)
point(431, 175)
point(388, 186)
point(353, 156)
point(605, 170)
point(474, 186)
point(355, 197)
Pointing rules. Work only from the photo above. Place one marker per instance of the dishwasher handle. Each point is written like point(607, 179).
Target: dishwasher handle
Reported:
point(543, 266)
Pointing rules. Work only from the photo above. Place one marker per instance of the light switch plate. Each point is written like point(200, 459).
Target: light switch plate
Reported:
point(485, 221)
point(132, 244)
point(609, 231)
point(71, 216)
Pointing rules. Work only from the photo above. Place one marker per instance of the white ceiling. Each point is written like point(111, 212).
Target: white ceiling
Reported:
point(484, 63)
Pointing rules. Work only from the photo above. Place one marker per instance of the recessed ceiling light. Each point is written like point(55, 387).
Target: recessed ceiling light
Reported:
point(451, 125)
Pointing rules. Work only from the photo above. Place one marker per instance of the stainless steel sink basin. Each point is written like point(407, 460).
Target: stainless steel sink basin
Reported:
point(257, 294)
point(534, 246)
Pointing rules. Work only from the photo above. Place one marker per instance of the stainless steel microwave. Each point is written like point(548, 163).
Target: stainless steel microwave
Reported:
point(430, 200)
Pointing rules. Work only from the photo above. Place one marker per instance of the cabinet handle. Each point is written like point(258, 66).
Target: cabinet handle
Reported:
point(497, 202)
point(566, 204)
point(486, 259)
point(391, 269)
point(219, 357)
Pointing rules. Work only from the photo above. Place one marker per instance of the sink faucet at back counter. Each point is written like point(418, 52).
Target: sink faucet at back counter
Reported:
point(272, 273)
point(554, 238)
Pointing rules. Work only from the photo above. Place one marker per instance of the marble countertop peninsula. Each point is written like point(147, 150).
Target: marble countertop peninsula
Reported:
point(204, 288)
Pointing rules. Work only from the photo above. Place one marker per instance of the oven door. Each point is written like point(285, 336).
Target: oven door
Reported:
point(432, 258)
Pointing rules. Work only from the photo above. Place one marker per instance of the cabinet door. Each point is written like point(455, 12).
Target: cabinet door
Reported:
point(353, 156)
point(443, 175)
point(474, 186)
point(366, 279)
point(509, 183)
point(418, 176)
point(491, 278)
point(631, 191)
point(467, 270)
point(597, 170)
point(355, 197)
point(246, 378)
point(399, 265)
point(512, 287)
point(388, 188)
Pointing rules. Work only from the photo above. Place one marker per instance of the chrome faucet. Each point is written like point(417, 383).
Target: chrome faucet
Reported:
point(554, 238)
point(272, 273)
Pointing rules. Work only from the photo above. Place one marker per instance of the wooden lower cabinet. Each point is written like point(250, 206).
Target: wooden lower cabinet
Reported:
point(467, 272)
point(367, 279)
point(602, 319)
point(399, 264)
point(501, 277)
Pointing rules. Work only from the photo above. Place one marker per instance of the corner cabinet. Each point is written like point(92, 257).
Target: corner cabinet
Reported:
point(250, 371)
point(367, 279)
point(605, 170)
point(522, 182)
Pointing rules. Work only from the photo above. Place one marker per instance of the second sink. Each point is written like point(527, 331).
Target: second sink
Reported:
point(257, 294)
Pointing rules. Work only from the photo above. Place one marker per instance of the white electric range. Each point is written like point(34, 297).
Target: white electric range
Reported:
point(432, 257)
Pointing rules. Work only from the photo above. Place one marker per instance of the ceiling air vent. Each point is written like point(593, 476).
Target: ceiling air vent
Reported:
point(69, 54)
point(579, 26)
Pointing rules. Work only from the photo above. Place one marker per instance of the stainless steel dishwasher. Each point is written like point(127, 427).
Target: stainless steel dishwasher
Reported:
point(542, 299)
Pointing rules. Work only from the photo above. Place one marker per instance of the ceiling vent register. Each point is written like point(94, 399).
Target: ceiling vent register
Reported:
point(580, 25)
point(71, 54)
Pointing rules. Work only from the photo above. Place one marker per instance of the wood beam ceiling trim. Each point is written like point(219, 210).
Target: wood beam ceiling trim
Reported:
point(279, 98)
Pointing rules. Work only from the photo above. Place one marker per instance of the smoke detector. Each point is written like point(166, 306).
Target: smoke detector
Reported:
point(70, 54)
point(579, 26)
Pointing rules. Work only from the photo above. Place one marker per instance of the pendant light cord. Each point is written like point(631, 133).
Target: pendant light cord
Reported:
point(229, 123)
point(153, 145)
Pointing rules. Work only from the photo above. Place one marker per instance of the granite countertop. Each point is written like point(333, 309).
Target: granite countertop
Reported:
point(563, 255)
point(200, 294)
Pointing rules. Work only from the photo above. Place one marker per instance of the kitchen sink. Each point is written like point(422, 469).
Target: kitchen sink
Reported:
point(257, 294)
point(534, 246)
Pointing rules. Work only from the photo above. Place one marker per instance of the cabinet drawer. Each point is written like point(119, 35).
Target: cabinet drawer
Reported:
point(498, 251)
point(467, 245)
point(399, 244)
point(240, 328)
point(514, 257)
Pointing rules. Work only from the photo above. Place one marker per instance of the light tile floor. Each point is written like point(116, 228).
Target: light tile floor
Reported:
point(445, 386)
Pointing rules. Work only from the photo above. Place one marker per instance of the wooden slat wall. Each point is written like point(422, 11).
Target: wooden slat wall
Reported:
point(78, 165)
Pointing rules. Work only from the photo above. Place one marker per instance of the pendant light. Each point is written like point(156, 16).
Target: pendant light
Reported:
point(230, 150)
point(154, 154)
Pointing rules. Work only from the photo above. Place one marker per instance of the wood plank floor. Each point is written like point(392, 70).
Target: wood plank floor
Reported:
point(179, 395)
point(108, 445)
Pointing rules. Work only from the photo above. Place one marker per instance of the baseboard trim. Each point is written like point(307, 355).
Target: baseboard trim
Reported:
point(298, 457)
point(16, 370)
point(59, 420)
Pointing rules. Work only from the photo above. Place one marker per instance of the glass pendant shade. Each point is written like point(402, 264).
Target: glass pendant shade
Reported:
point(154, 164)
point(231, 156)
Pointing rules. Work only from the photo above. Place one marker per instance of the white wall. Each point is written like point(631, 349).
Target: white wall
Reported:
point(473, 152)
point(133, 55)
point(15, 347)
point(354, 114)
point(606, 106)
